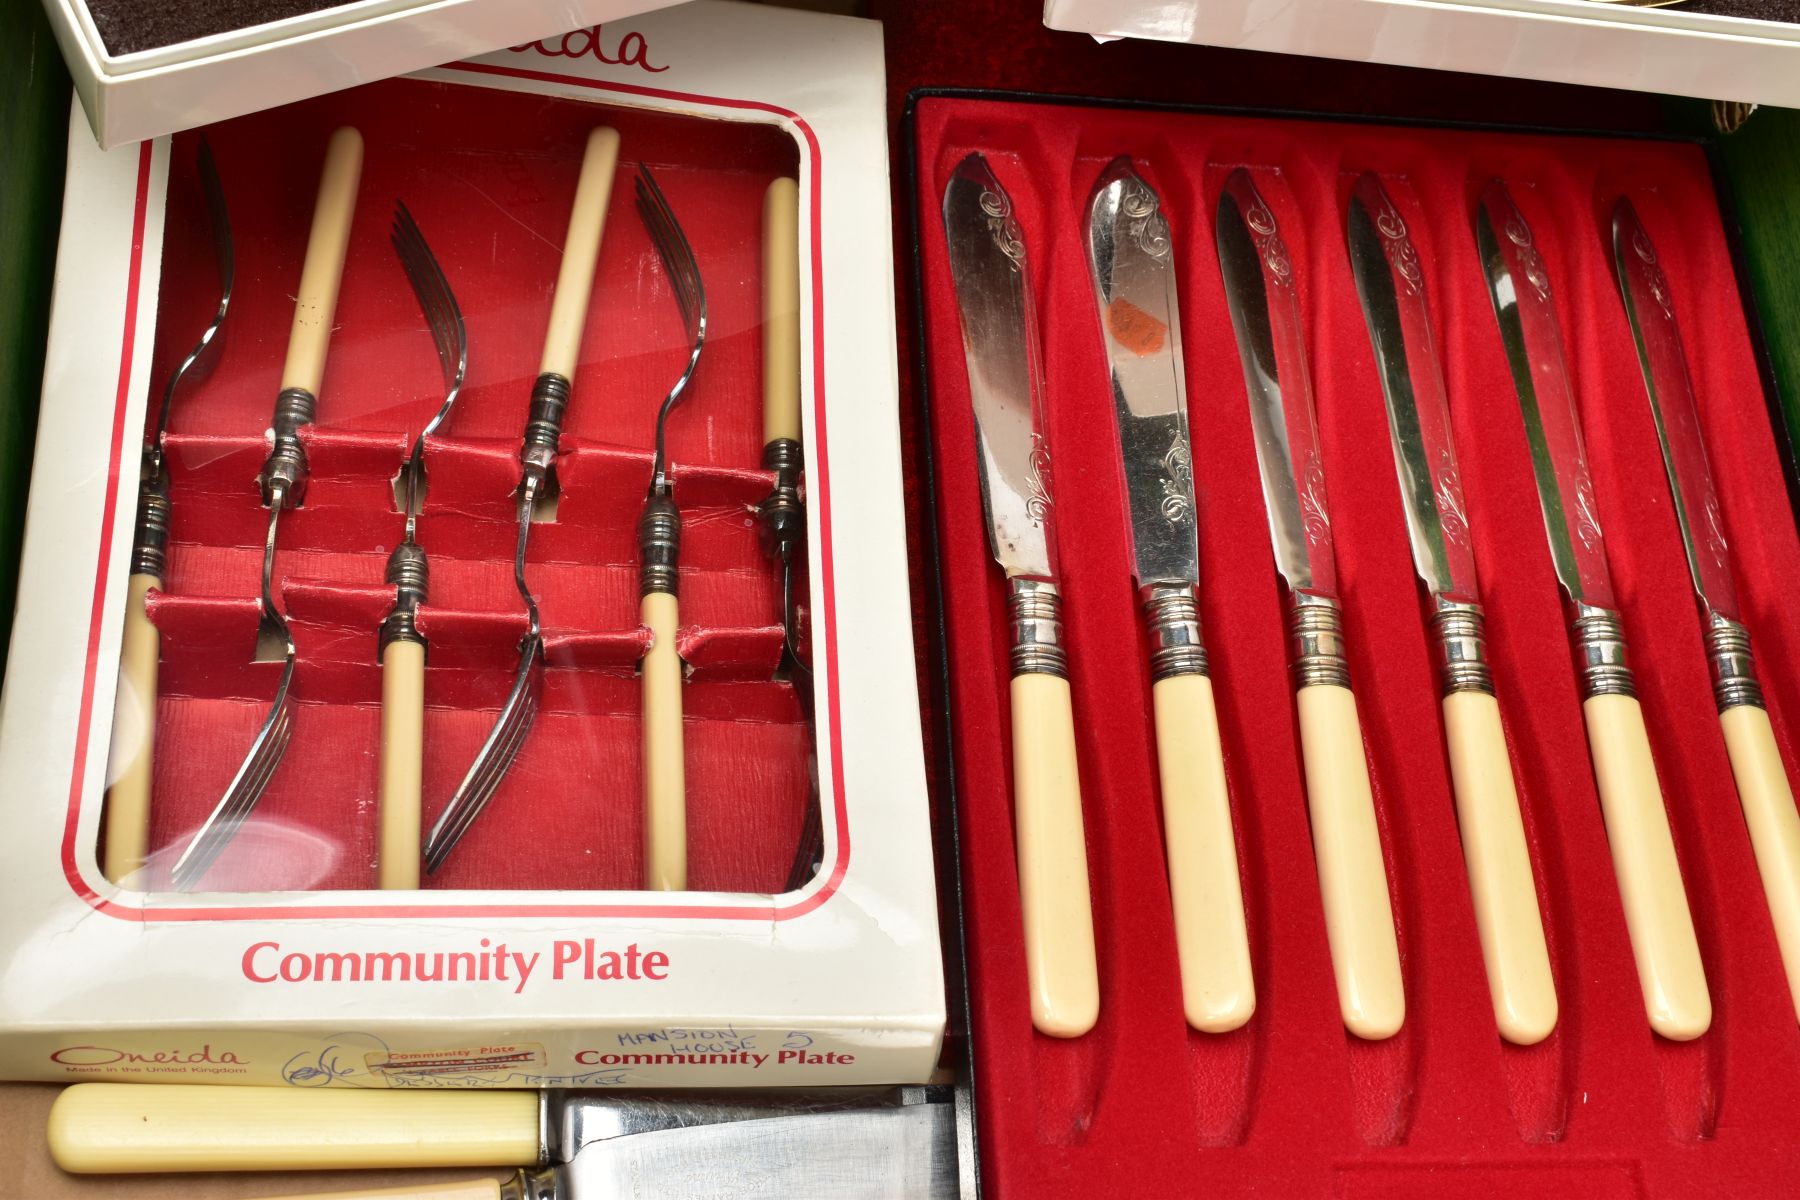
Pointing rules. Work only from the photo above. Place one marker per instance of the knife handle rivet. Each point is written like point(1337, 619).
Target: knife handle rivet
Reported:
point(1035, 611)
point(1601, 665)
point(1172, 613)
point(1316, 641)
point(1733, 667)
point(1462, 647)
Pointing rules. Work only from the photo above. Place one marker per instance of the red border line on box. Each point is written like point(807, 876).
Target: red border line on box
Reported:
point(822, 494)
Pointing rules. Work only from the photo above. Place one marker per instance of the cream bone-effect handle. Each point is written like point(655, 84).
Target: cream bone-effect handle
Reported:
point(665, 769)
point(402, 762)
point(315, 305)
point(1762, 783)
point(134, 722)
point(134, 709)
point(403, 655)
point(1661, 928)
point(1217, 986)
point(1054, 897)
point(783, 518)
point(781, 312)
point(105, 1128)
point(1511, 929)
point(1359, 916)
point(568, 314)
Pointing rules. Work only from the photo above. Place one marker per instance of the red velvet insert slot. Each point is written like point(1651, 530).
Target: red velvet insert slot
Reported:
point(489, 175)
point(1291, 1105)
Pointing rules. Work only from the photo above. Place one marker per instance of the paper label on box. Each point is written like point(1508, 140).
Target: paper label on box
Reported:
point(406, 1068)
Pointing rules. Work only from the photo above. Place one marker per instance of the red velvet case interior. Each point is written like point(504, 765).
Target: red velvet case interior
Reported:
point(490, 176)
point(1291, 1105)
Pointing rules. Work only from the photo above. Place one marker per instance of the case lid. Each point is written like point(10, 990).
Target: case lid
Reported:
point(143, 70)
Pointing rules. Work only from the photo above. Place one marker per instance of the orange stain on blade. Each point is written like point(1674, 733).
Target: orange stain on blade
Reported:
point(1135, 329)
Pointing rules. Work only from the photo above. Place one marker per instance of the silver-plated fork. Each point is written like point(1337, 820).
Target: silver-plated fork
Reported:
point(283, 484)
point(659, 545)
point(539, 449)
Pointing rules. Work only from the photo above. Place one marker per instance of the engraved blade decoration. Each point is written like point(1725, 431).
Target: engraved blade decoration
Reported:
point(1133, 269)
point(1260, 291)
point(1651, 309)
point(999, 330)
point(1519, 285)
point(1390, 282)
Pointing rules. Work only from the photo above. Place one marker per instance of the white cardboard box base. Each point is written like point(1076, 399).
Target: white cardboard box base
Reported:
point(840, 982)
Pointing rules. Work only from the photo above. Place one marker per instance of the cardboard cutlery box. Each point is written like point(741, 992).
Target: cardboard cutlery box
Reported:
point(1289, 1102)
point(1740, 50)
point(535, 955)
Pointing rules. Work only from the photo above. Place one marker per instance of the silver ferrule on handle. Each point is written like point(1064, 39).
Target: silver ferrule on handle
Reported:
point(1733, 667)
point(410, 574)
point(1172, 615)
point(1461, 646)
point(783, 518)
point(659, 545)
point(1034, 609)
point(543, 433)
point(531, 1185)
point(150, 548)
point(1316, 642)
point(283, 477)
point(1598, 640)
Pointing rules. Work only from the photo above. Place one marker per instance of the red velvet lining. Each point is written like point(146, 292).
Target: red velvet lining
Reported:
point(489, 176)
point(1291, 1105)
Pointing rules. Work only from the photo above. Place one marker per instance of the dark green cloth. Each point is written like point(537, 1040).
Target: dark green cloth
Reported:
point(34, 130)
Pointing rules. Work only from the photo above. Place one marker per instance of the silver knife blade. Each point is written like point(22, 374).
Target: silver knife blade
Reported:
point(1265, 314)
point(903, 1153)
point(1651, 309)
point(1390, 282)
point(1133, 270)
point(999, 329)
point(570, 1121)
point(1519, 285)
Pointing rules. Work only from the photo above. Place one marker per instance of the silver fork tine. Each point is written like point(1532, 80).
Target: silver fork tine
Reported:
point(677, 256)
point(448, 332)
point(496, 755)
point(494, 760)
point(437, 301)
point(246, 788)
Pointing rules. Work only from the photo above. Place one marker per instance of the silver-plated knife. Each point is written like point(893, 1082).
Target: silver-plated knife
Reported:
point(871, 1144)
point(1000, 345)
point(1260, 290)
point(1762, 781)
point(1390, 282)
point(1637, 825)
point(1132, 264)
